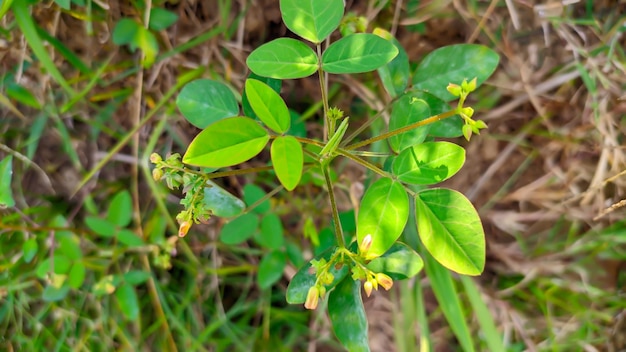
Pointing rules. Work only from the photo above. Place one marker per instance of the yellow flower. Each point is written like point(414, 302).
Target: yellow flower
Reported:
point(184, 228)
point(365, 244)
point(312, 298)
point(385, 281)
point(368, 286)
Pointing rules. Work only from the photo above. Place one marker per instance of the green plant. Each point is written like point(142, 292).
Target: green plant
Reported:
point(448, 226)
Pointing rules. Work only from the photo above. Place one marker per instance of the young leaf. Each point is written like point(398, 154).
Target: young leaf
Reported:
point(283, 58)
point(275, 84)
point(268, 106)
point(288, 159)
point(204, 101)
point(160, 19)
point(240, 229)
point(428, 163)
point(128, 301)
point(120, 210)
point(272, 232)
point(221, 202)
point(310, 19)
point(399, 262)
point(303, 280)
point(383, 214)
point(453, 64)
point(347, 315)
point(405, 111)
point(6, 173)
point(227, 142)
point(356, 53)
point(271, 269)
point(395, 74)
point(450, 229)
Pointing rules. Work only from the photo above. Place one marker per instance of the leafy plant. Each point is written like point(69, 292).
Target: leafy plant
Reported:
point(448, 225)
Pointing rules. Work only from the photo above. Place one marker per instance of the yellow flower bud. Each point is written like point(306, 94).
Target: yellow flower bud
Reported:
point(384, 280)
point(184, 228)
point(157, 174)
point(454, 89)
point(312, 298)
point(368, 286)
point(365, 244)
point(155, 158)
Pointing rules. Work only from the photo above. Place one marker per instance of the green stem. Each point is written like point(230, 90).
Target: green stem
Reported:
point(333, 204)
point(328, 130)
point(427, 121)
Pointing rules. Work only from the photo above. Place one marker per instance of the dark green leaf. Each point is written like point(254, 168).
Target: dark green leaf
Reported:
point(303, 280)
point(448, 128)
point(125, 31)
point(310, 19)
point(399, 262)
point(450, 229)
point(160, 18)
point(287, 159)
point(22, 95)
point(204, 102)
point(395, 75)
point(121, 209)
point(240, 229)
point(347, 315)
point(405, 111)
point(77, 274)
point(453, 64)
point(383, 214)
point(29, 249)
point(129, 238)
point(6, 173)
point(70, 246)
point(272, 233)
point(429, 163)
point(100, 226)
point(358, 53)
point(54, 294)
point(221, 202)
point(271, 269)
point(136, 277)
point(127, 300)
point(252, 194)
point(227, 142)
point(283, 58)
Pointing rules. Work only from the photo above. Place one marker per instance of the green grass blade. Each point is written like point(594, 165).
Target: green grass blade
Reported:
point(448, 298)
point(485, 320)
point(27, 26)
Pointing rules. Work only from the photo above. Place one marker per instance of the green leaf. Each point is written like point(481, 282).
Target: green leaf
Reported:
point(450, 229)
point(428, 163)
point(136, 277)
point(358, 53)
point(240, 229)
point(148, 43)
point(70, 246)
point(100, 226)
point(448, 128)
point(395, 74)
point(347, 315)
point(54, 294)
point(221, 202)
point(283, 58)
point(22, 95)
point(125, 31)
point(405, 111)
point(227, 142)
point(76, 276)
point(399, 262)
point(121, 209)
point(275, 84)
point(268, 106)
point(383, 214)
point(160, 19)
point(272, 232)
point(303, 280)
point(129, 238)
point(312, 20)
point(448, 297)
point(288, 161)
point(453, 64)
point(252, 194)
point(128, 301)
point(64, 4)
point(60, 263)
point(204, 102)
point(271, 269)
point(6, 173)
point(29, 249)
